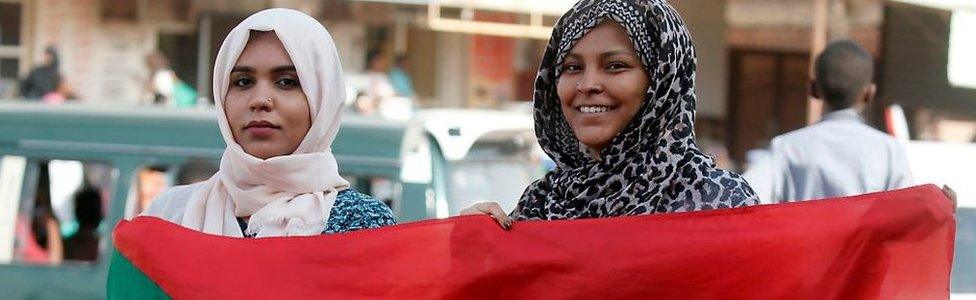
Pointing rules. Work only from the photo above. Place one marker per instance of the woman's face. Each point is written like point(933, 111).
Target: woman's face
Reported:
point(602, 85)
point(266, 109)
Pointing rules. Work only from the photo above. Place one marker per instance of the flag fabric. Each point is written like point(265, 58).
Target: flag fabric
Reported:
point(890, 245)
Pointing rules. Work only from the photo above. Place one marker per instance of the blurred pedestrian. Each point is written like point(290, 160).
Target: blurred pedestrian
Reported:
point(43, 79)
point(615, 109)
point(164, 87)
point(84, 244)
point(841, 155)
point(150, 182)
point(60, 95)
point(44, 244)
point(402, 84)
point(377, 68)
point(364, 104)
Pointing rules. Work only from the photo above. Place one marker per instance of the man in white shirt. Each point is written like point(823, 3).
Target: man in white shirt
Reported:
point(840, 155)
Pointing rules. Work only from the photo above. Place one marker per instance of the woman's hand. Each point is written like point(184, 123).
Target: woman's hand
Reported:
point(492, 209)
point(952, 196)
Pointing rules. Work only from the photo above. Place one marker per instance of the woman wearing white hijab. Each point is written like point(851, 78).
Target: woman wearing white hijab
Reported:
point(278, 85)
point(279, 90)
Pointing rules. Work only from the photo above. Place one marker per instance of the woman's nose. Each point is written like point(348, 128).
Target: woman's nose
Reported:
point(589, 84)
point(262, 99)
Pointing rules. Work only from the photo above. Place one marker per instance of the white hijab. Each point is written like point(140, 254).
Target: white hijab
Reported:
point(290, 195)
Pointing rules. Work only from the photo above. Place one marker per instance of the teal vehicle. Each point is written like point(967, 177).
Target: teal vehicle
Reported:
point(428, 167)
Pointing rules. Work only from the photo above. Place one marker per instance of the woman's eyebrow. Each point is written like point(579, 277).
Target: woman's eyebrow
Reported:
point(615, 53)
point(279, 69)
point(603, 55)
point(242, 69)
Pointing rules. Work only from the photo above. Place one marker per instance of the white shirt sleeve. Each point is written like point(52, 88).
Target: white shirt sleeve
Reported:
point(900, 174)
point(760, 178)
point(782, 183)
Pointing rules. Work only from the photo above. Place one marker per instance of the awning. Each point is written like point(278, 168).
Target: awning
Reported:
point(547, 7)
point(944, 4)
point(537, 12)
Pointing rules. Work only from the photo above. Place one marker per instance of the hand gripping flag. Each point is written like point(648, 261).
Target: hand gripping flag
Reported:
point(892, 245)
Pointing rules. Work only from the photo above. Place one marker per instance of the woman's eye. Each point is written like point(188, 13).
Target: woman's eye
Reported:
point(242, 82)
point(571, 68)
point(288, 82)
point(616, 66)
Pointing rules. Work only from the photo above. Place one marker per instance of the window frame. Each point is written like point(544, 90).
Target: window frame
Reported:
point(10, 200)
point(21, 51)
point(27, 196)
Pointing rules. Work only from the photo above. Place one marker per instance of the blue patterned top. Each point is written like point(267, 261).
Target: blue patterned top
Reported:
point(352, 211)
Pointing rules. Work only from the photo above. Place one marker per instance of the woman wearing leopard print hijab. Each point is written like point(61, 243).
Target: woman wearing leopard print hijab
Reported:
point(615, 109)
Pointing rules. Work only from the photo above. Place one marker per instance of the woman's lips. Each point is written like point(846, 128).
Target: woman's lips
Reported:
point(595, 110)
point(261, 132)
point(261, 129)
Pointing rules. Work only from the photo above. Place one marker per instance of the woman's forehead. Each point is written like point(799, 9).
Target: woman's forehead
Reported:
point(604, 36)
point(608, 38)
point(264, 50)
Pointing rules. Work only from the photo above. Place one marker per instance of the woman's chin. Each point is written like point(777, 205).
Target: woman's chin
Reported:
point(595, 143)
point(261, 152)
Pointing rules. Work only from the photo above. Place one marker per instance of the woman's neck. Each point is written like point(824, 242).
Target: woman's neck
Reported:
point(594, 154)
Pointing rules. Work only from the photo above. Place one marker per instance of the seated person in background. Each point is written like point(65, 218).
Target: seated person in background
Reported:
point(151, 182)
point(83, 245)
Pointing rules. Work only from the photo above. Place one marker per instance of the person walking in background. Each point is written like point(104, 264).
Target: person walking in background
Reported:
point(164, 86)
point(841, 155)
point(43, 79)
point(402, 84)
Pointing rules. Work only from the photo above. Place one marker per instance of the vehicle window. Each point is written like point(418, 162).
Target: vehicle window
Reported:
point(11, 180)
point(56, 208)
point(150, 181)
point(380, 188)
point(384, 190)
point(492, 171)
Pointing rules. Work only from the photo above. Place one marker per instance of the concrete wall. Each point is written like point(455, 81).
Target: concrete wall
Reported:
point(799, 13)
point(104, 61)
point(350, 40)
point(101, 61)
point(785, 25)
point(452, 69)
point(706, 19)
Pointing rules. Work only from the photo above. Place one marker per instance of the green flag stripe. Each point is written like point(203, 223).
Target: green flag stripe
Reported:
point(125, 281)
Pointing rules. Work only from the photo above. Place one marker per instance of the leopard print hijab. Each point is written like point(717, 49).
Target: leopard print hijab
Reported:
point(653, 165)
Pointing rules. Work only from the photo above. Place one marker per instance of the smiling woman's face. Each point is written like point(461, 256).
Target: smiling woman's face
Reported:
point(265, 106)
point(602, 85)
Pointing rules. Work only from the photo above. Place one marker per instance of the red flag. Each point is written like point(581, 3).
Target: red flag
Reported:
point(892, 245)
